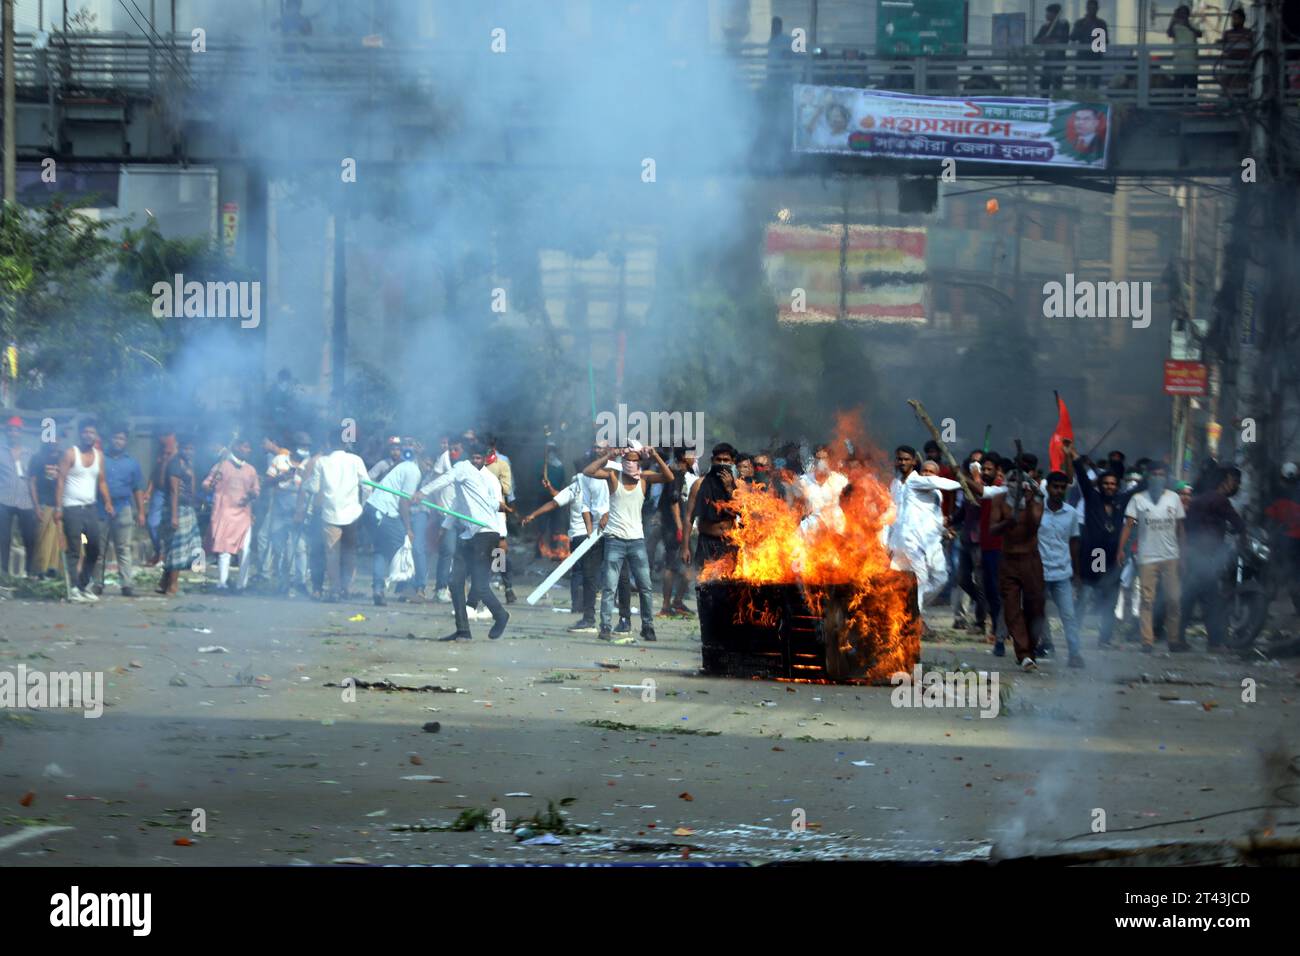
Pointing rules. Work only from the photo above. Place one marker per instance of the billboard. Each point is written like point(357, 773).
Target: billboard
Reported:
point(984, 129)
point(859, 273)
point(1186, 378)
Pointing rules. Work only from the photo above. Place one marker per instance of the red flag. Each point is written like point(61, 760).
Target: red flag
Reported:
point(1064, 430)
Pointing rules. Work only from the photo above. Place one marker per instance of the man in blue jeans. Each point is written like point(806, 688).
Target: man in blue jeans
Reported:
point(1058, 546)
point(625, 533)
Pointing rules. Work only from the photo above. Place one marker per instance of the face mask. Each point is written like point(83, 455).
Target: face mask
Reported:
point(632, 469)
point(1156, 487)
point(302, 453)
point(453, 455)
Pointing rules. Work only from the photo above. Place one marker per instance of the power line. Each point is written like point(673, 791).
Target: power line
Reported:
point(166, 52)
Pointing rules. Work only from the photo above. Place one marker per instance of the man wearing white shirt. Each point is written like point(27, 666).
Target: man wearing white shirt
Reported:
point(596, 507)
point(820, 494)
point(477, 539)
point(572, 498)
point(919, 540)
point(337, 478)
point(1157, 517)
point(388, 517)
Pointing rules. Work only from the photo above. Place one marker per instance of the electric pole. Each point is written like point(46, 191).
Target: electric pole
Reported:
point(10, 105)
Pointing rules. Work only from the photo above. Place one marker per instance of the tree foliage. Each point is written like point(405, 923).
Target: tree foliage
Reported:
point(77, 303)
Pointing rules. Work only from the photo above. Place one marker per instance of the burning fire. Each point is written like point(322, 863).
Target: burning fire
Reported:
point(867, 608)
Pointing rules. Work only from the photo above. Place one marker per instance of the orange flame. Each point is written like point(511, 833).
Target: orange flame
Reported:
point(867, 608)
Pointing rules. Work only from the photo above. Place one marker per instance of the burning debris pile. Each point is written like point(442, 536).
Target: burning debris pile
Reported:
point(810, 599)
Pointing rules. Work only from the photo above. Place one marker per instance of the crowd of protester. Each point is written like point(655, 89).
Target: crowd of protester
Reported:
point(291, 517)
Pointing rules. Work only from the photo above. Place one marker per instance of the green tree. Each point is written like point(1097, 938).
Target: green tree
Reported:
point(77, 304)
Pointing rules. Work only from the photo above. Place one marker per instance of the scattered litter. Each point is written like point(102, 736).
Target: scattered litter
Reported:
point(685, 796)
point(637, 846)
point(73, 796)
point(683, 831)
point(546, 839)
point(608, 666)
point(54, 770)
point(214, 649)
point(182, 841)
point(422, 778)
point(351, 861)
point(178, 681)
point(432, 727)
point(357, 617)
point(416, 760)
point(519, 793)
point(389, 685)
point(378, 813)
point(887, 808)
point(136, 664)
point(201, 630)
point(862, 763)
point(767, 703)
point(327, 722)
point(27, 799)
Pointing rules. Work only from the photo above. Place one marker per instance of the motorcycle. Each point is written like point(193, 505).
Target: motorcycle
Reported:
point(1251, 589)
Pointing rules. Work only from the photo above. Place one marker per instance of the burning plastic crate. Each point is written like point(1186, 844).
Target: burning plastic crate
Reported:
point(835, 632)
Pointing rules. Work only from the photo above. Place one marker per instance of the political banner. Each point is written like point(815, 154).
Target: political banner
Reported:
point(858, 273)
point(983, 129)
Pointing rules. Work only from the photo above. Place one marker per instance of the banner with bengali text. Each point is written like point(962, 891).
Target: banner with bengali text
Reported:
point(983, 129)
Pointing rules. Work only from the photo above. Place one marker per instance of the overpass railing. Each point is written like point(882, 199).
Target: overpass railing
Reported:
point(112, 65)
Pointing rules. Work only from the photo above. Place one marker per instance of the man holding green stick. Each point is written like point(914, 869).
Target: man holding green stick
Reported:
point(477, 507)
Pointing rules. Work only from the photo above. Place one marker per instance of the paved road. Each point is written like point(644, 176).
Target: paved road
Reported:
point(286, 770)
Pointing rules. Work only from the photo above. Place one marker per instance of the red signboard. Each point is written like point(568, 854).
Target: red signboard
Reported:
point(1186, 378)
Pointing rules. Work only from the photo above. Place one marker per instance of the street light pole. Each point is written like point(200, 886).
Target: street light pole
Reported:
point(10, 106)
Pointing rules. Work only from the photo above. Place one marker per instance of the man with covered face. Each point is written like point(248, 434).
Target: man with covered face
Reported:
point(624, 532)
point(707, 505)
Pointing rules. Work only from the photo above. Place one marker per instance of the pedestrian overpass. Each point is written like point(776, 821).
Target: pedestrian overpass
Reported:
point(116, 98)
